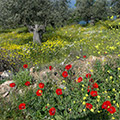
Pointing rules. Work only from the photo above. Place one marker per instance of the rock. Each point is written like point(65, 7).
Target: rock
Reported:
point(6, 94)
point(7, 74)
point(5, 88)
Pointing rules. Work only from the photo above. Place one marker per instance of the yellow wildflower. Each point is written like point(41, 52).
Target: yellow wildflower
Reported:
point(84, 98)
point(83, 103)
point(82, 85)
point(114, 102)
point(105, 91)
point(108, 96)
point(91, 70)
point(113, 89)
point(111, 77)
point(83, 109)
point(98, 52)
point(92, 110)
point(77, 57)
point(64, 81)
point(64, 87)
point(48, 104)
point(117, 105)
point(111, 17)
point(118, 68)
point(113, 118)
point(96, 46)
point(98, 100)
point(98, 96)
point(118, 55)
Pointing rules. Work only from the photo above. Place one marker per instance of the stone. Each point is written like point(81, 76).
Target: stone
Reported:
point(7, 74)
point(6, 94)
point(5, 88)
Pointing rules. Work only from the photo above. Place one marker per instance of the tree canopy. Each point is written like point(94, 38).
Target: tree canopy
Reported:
point(30, 12)
point(97, 9)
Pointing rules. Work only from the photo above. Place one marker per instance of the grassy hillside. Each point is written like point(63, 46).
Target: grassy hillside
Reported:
point(95, 87)
point(92, 40)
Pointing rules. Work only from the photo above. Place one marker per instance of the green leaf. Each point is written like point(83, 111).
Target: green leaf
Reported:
point(59, 117)
point(65, 113)
point(44, 109)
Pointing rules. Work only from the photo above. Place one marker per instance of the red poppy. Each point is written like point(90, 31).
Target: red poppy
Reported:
point(46, 106)
point(84, 56)
point(59, 91)
point(91, 80)
point(111, 109)
point(106, 104)
point(65, 74)
point(95, 85)
point(27, 83)
point(68, 67)
point(22, 106)
point(88, 90)
point(88, 105)
point(50, 67)
point(41, 85)
point(39, 92)
point(25, 65)
point(88, 75)
point(52, 111)
point(93, 93)
point(80, 79)
point(12, 84)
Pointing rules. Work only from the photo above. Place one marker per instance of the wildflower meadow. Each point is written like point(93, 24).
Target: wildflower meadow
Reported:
point(90, 95)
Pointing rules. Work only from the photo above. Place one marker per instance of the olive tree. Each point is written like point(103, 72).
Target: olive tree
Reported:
point(34, 14)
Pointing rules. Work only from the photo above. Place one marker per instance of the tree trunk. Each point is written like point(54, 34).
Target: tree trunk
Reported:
point(38, 31)
point(37, 35)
